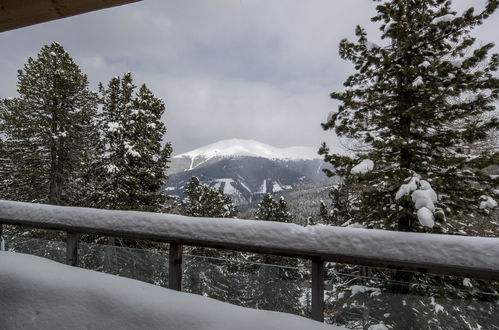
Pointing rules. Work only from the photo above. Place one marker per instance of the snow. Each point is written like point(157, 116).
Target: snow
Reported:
point(130, 150)
point(239, 147)
point(407, 188)
point(356, 225)
point(425, 64)
point(228, 188)
point(363, 167)
point(443, 18)
point(438, 307)
point(371, 45)
point(362, 289)
point(425, 217)
point(37, 293)
point(379, 326)
point(418, 81)
point(467, 282)
point(456, 63)
point(110, 168)
point(113, 127)
point(263, 187)
point(487, 202)
point(423, 197)
point(449, 250)
point(276, 187)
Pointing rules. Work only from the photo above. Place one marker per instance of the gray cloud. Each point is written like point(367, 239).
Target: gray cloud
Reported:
point(247, 69)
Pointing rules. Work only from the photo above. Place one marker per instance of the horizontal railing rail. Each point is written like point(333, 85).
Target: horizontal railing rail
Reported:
point(474, 257)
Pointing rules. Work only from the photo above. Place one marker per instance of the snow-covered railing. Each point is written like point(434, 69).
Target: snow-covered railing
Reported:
point(475, 257)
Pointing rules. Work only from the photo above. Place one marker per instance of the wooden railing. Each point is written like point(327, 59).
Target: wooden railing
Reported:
point(474, 257)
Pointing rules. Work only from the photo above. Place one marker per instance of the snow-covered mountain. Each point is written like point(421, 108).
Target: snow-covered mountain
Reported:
point(246, 169)
point(250, 148)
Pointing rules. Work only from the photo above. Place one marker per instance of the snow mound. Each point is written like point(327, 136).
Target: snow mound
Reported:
point(38, 293)
point(239, 147)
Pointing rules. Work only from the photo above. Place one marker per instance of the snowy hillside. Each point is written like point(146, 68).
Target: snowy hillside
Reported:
point(240, 147)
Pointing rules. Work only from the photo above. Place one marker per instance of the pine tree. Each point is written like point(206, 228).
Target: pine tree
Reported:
point(134, 160)
point(204, 201)
point(414, 104)
point(48, 131)
point(206, 273)
point(271, 210)
point(278, 282)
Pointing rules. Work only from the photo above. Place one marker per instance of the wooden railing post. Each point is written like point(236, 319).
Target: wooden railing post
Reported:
point(72, 240)
point(318, 290)
point(175, 267)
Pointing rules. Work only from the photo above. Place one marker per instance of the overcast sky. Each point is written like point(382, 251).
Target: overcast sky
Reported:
point(251, 69)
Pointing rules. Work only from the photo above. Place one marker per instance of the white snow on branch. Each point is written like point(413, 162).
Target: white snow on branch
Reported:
point(456, 63)
point(43, 294)
point(487, 202)
point(443, 18)
point(437, 306)
point(131, 151)
point(371, 45)
point(418, 81)
point(113, 126)
point(110, 168)
point(363, 167)
point(363, 289)
point(426, 217)
point(406, 188)
point(423, 197)
point(425, 64)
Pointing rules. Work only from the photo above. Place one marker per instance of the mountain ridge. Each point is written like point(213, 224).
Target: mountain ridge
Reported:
point(250, 148)
point(246, 169)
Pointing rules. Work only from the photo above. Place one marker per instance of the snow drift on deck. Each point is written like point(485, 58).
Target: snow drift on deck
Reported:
point(36, 293)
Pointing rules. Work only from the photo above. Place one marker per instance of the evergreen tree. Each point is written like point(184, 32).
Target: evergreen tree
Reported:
point(206, 272)
point(324, 213)
point(278, 282)
point(204, 201)
point(415, 103)
point(269, 209)
point(134, 160)
point(48, 131)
